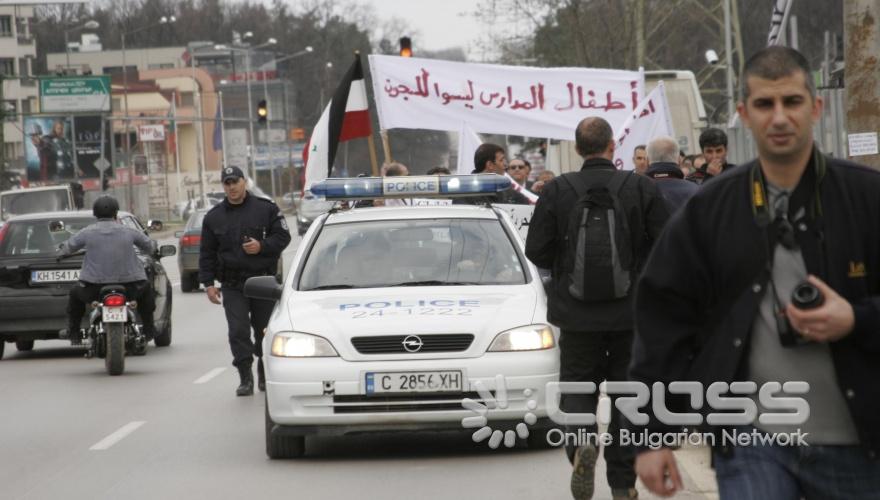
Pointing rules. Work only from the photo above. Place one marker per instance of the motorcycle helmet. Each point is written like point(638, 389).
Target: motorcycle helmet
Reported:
point(105, 207)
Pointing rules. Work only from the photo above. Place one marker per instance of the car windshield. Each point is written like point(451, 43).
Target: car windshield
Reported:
point(195, 220)
point(412, 253)
point(39, 237)
point(28, 202)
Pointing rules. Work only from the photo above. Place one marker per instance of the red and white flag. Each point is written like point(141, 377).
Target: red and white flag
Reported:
point(346, 117)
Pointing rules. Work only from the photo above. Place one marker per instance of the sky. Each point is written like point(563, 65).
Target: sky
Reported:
point(441, 24)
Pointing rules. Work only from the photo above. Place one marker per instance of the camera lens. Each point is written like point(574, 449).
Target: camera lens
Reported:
point(806, 296)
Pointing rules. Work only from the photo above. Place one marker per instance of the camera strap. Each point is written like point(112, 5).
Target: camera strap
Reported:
point(765, 219)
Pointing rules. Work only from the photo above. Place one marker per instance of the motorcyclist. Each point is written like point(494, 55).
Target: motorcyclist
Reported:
point(110, 258)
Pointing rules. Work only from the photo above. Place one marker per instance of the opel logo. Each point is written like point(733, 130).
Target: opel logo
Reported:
point(413, 343)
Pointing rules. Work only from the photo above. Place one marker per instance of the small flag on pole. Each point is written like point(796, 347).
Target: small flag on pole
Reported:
point(218, 128)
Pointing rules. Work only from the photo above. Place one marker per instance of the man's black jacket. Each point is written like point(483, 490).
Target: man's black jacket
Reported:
point(704, 281)
point(545, 245)
point(670, 181)
point(224, 230)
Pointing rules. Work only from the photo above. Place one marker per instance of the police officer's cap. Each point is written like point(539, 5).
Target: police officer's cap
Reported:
point(232, 173)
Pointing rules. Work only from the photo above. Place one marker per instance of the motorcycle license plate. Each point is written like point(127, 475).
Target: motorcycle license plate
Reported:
point(113, 314)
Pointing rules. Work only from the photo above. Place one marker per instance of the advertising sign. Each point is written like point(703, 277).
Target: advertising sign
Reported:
point(72, 94)
point(50, 147)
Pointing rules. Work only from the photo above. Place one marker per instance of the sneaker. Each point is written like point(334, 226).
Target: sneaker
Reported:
point(582, 474)
point(624, 493)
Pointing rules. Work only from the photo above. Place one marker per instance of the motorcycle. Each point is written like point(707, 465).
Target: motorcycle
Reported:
point(114, 329)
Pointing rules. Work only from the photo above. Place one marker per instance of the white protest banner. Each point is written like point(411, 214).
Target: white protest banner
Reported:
point(652, 119)
point(494, 99)
point(521, 215)
point(468, 142)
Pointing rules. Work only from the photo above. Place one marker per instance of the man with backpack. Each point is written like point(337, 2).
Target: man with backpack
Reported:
point(593, 229)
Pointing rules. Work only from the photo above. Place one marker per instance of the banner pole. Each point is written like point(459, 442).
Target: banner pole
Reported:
point(386, 146)
point(374, 164)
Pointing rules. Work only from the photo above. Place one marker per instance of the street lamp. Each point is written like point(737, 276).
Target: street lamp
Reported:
point(247, 56)
point(162, 20)
point(307, 50)
point(88, 25)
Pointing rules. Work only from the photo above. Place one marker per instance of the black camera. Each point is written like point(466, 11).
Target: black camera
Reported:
point(804, 296)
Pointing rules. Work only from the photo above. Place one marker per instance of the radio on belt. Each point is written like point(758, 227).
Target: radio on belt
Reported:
point(421, 186)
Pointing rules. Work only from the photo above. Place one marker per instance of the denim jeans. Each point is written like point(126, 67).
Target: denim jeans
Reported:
point(795, 472)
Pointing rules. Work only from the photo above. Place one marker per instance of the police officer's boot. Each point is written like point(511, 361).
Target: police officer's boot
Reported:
point(246, 387)
point(261, 375)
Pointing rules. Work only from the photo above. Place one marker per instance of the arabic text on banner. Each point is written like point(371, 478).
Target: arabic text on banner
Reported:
point(652, 119)
point(494, 99)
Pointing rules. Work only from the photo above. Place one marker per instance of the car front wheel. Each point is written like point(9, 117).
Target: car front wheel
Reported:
point(24, 345)
point(281, 446)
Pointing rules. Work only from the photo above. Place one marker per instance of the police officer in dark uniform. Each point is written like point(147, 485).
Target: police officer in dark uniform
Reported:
point(242, 237)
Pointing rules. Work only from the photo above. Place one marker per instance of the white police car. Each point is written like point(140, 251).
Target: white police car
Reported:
point(408, 318)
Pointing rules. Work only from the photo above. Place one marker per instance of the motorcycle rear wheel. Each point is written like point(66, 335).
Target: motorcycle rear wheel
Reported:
point(114, 360)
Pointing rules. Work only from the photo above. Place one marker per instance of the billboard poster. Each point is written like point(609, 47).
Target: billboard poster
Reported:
point(51, 146)
point(48, 148)
point(88, 146)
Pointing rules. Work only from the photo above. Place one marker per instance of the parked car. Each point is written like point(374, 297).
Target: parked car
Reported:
point(198, 204)
point(289, 201)
point(34, 285)
point(189, 242)
point(310, 208)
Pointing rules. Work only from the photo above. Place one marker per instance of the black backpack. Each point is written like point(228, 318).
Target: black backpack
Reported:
point(598, 243)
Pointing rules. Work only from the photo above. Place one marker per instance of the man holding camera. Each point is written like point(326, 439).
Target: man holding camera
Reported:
point(796, 299)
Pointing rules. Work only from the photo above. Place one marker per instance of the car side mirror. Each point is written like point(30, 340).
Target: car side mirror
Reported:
point(178, 234)
point(154, 225)
point(167, 250)
point(263, 287)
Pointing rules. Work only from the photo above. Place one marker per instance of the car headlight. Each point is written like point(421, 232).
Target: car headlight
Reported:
point(524, 338)
point(301, 345)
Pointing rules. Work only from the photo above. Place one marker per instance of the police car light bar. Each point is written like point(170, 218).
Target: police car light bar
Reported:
point(422, 186)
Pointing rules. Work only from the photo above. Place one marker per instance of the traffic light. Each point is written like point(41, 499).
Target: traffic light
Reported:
point(405, 47)
point(262, 111)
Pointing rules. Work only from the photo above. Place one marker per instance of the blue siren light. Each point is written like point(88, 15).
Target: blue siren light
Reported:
point(416, 186)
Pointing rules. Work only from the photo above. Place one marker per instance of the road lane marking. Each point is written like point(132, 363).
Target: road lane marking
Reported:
point(117, 436)
point(208, 376)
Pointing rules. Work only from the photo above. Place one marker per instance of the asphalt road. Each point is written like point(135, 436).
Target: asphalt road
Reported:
point(172, 428)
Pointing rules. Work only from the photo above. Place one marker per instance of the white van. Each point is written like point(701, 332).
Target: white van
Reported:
point(36, 199)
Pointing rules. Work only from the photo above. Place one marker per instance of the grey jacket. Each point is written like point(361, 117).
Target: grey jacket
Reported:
point(110, 256)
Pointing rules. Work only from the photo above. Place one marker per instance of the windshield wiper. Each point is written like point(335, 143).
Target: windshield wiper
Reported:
point(329, 287)
point(434, 283)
